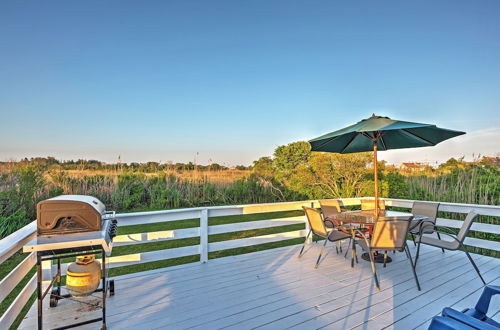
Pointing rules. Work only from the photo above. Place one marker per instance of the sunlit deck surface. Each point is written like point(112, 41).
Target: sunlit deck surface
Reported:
point(274, 289)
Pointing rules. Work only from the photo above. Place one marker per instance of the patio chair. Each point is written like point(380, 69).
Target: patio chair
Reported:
point(457, 242)
point(428, 209)
point(330, 207)
point(389, 235)
point(369, 204)
point(469, 318)
point(483, 304)
point(318, 227)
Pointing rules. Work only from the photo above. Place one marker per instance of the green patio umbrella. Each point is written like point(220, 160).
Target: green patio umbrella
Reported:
point(381, 133)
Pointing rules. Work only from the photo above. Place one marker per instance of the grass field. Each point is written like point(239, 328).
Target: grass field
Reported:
point(219, 176)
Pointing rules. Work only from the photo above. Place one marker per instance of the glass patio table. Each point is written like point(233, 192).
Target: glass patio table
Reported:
point(367, 219)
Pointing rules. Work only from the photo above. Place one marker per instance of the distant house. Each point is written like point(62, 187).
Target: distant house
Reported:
point(412, 168)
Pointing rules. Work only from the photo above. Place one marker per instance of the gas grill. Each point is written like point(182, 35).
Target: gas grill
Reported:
point(72, 226)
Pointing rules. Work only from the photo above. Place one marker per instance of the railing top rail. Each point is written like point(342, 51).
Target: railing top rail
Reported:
point(223, 207)
point(490, 210)
point(10, 244)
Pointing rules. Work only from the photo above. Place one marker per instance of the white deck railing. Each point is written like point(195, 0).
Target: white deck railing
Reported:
point(14, 242)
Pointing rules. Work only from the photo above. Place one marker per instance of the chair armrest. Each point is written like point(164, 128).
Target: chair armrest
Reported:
point(441, 229)
point(466, 319)
point(330, 221)
point(363, 239)
point(445, 228)
point(450, 235)
point(481, 309)
point(421, 224)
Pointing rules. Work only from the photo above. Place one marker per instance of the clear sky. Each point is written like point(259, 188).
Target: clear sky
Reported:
point(231, 80)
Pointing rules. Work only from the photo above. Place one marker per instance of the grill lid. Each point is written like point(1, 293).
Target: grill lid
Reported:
point(96, 204)
point(69, 214)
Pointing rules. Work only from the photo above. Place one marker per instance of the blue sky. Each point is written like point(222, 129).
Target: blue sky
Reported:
point(231, 80)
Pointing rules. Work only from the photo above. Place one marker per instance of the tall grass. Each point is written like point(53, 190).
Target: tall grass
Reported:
point(22, 188)
point(474, 185)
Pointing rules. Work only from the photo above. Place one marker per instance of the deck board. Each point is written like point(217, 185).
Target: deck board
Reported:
point(274, 289)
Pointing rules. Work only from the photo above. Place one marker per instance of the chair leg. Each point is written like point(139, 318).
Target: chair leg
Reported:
point(353, 253)
point(385, 258)
point(418, 253)
point(374, 270)
point(322, 249)
point(347, 250)
point(473, 264)
point(439, 236)
point(304, 245)
point(413, 238)
point(412, 266)
point(337, 248)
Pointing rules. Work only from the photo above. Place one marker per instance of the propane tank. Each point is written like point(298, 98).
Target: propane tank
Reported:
point(83, 276)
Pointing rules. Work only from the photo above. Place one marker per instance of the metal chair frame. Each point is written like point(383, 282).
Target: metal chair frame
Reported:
point(404, 247)
point(327, 238)
point(451, 234)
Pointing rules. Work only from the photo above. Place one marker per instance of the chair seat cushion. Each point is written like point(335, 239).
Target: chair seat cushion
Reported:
point(448, 245)
point(336, 235)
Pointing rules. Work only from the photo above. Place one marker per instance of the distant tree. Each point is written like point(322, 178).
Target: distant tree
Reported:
point(216, 167)
point(452, 164)
point(330, 175)
point(290, 157)
point(263, 167)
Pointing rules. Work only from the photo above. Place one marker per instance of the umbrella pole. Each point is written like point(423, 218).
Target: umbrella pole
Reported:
point(375, 168)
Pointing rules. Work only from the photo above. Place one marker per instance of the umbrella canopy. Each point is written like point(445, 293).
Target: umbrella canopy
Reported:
point(389, 134)
point(381, 133)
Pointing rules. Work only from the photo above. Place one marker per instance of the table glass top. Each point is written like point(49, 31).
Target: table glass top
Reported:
point(368, 216)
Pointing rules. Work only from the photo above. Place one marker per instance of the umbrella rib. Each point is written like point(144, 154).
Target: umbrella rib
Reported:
point(348, 144)
point(383, 142)
point(418, 137)
point(366, 135)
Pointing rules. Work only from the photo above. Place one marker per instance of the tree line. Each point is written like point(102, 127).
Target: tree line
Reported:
point(95, 165)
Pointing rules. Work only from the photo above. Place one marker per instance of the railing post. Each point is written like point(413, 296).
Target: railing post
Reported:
point(204, 236)
point(310, 238)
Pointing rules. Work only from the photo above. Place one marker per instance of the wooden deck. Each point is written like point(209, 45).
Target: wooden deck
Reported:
point(274, 289)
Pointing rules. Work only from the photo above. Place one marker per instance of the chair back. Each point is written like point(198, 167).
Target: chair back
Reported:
point(369, 204)
point(390, 234)
point(464, 230)
point(330, 207)
point(428, 209)
point(315, 221)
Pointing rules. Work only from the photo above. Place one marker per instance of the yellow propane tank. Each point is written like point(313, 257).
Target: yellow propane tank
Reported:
point(83, 276)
